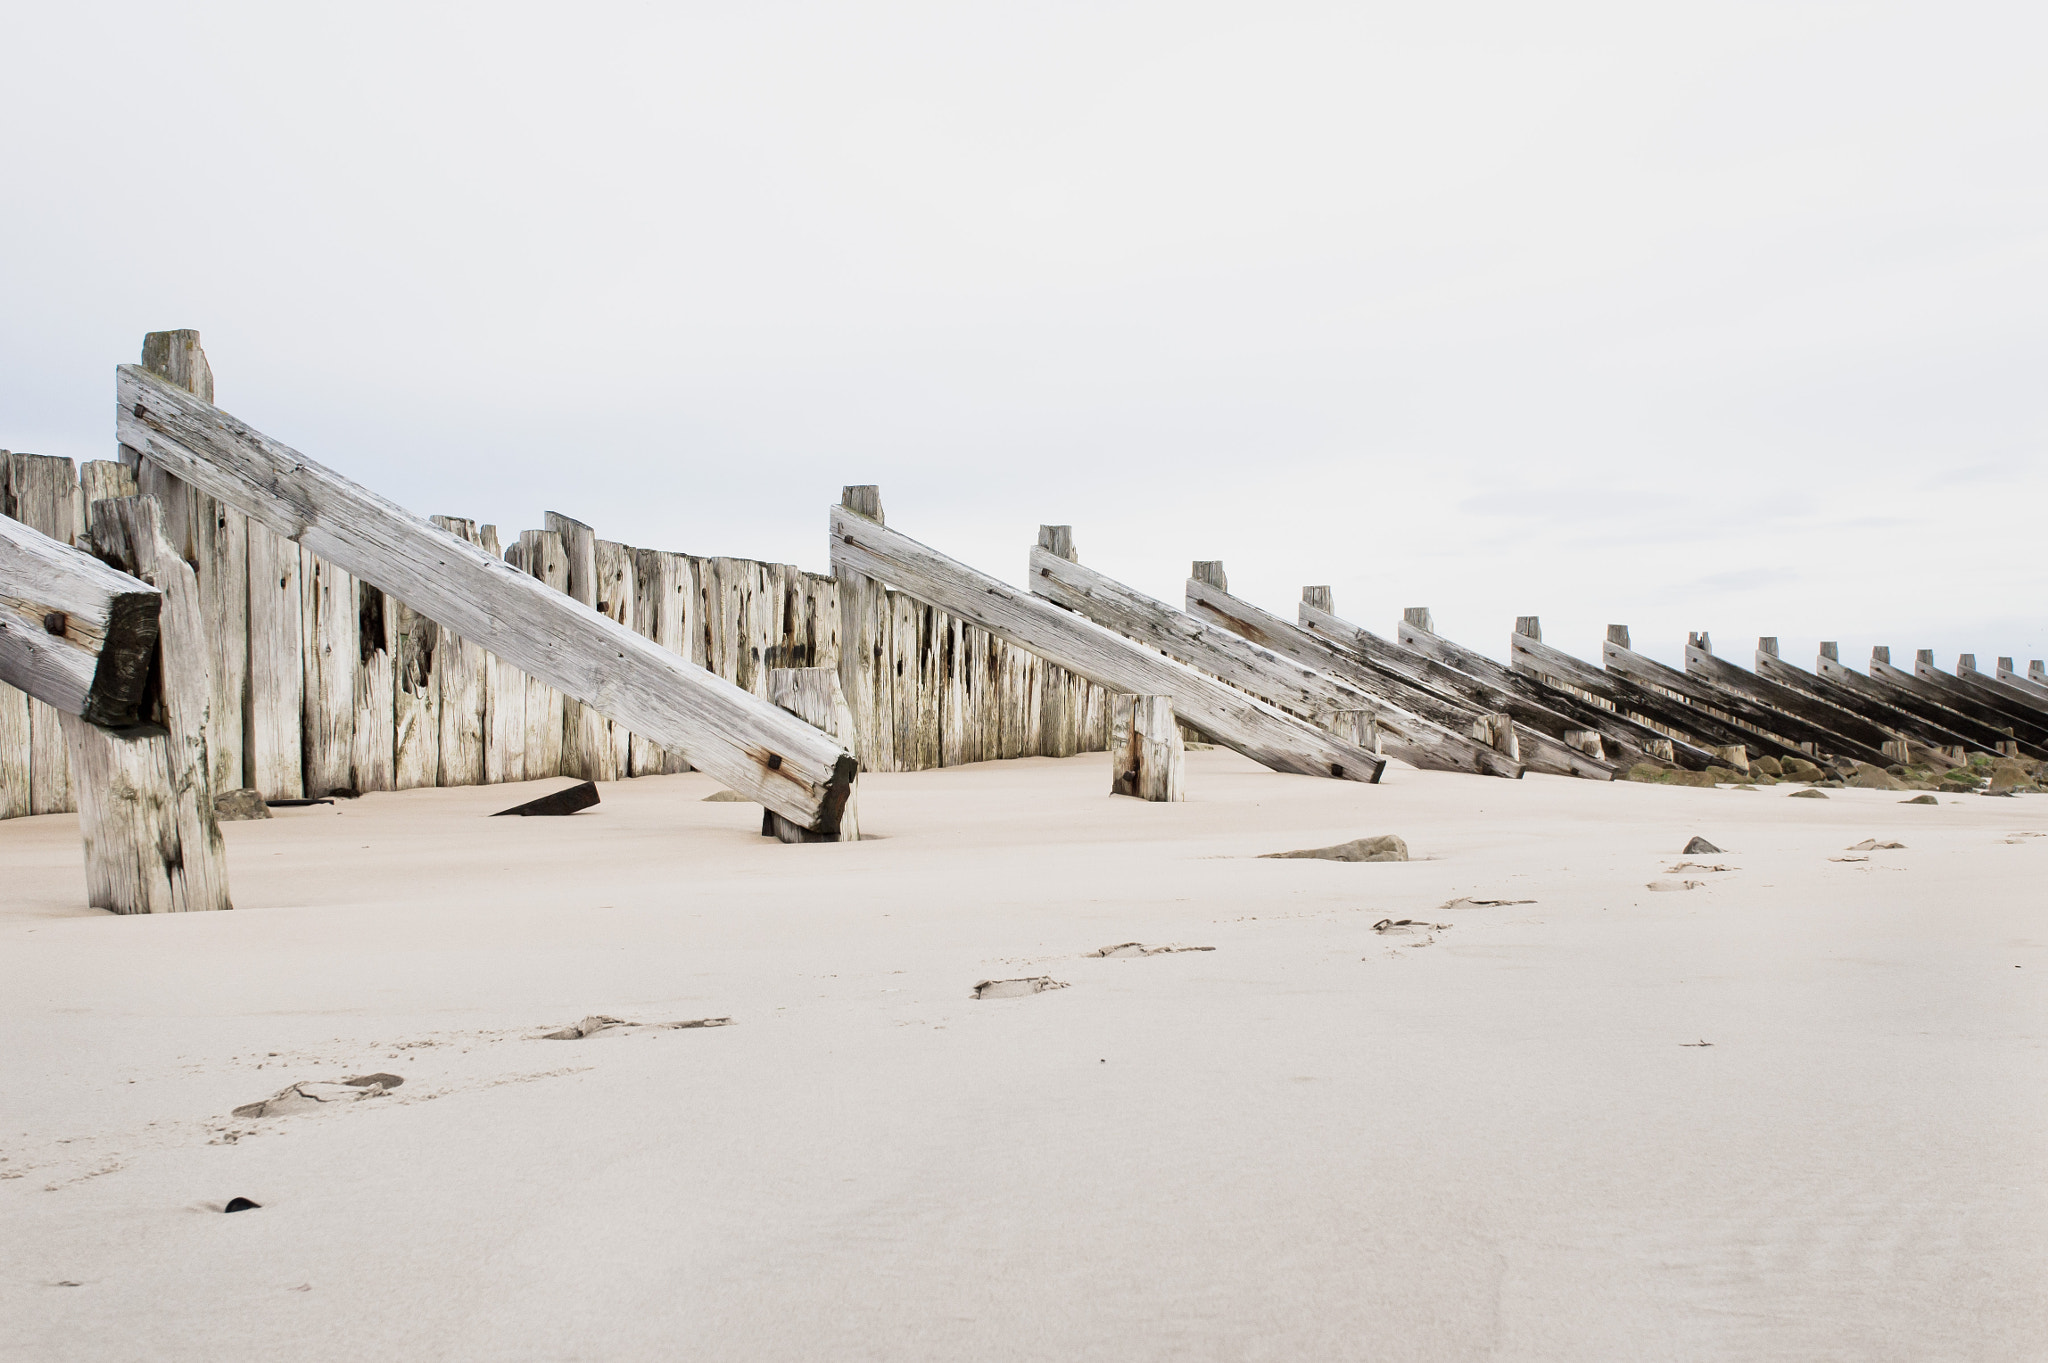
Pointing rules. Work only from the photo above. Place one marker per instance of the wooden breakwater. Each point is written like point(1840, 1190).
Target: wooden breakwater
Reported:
point(332, 684)
point(320, 681)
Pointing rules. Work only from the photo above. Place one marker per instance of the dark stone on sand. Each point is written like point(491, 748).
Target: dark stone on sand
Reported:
point(726, 797)
point(242, 1204)
point(1809, 795)
point(1386, 847)
point(582, 795)
point(240, 804)
point(1700, 845)
point(1921, 800)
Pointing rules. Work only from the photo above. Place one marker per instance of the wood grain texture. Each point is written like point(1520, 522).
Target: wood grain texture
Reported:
point(461, 666)
point(1247, 725)
point(1558, 712)
point(333, 653)
point(43, 495)
point(813, 695)
point(1871, 705)
point(1970, 731)
point(373, 751)
point(2031, 701)
point(754, 747)
point(74, 633)
point(1741, 709)
point(1700, 662)
point(174, 824)
point(14, 753)
point(275, 745)
point(1147, 760)
point(863, 638)
point(2025, 723)
point(543, 558)
point(1423, 741)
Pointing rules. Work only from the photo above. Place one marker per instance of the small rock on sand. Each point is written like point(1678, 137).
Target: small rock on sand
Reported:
point(240, 804)
point(1809, 795)
point(1386, 847)
point(1873, 845)
point(598, 1022)
point(1140, 949)
point(1016, 989)
point(1701, 847)
point(1667, 885)
point(726, 797)
point(1921, 800)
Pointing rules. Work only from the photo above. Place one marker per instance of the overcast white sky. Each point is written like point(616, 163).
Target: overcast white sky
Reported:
point(1723, 317)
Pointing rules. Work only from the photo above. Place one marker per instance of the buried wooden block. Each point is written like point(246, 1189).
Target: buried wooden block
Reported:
point(1145, 752)
point(813, 695)
point(582, 795)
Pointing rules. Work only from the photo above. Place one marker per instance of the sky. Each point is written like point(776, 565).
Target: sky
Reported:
point(1707, 317)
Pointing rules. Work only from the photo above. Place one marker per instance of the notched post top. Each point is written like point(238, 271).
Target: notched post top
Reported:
point(1701, 640)
point(1881, 653)
point(1925, 655)
point(1319, 598)
point(1768, 644)
point(1966, 662)
point(1618, 635)
point(1059, 540)
point(1418, 617)
point(1830, 650)
point(863, 499)
point(1529, 627)
point(176, 356)
point(1210, 571)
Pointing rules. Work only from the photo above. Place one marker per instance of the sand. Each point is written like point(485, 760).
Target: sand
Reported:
point(1498, 1139)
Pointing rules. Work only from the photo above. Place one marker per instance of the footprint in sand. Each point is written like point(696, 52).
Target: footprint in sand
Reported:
point(1016, 989)
point(1140, 949)
point(597, 1024)
point(1667, 886)
point(311, 1096)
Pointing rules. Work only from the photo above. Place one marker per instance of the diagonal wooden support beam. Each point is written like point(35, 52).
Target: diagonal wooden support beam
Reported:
point(1700, 662)
point(1435, 727)
point(1626, 662)
point(1300, 687)
point(758, 749)
point(74, 633)
point(1872, 705)
point(1231, 717)
point(1904, 689)
point(2029, 698)
point(1958, 693)
point(1628, 741)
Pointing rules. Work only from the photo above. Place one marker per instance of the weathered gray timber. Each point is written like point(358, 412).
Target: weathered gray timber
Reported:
point(1551, 710)
point(1422, 728)
point(863, 669)
point(74, 633)
point(504, 697)
point(813, 695)
point(1958, 694)
point(542, 556)
point(145, 811)
point(1873, 706)
point(2033, 686)
point(1625, 662)
point(332, 620)
point(586, 733)
point(43, 491)
point(1700, 662)
point(277, 624)
point(752, 746)
point(1281, 681)
point(1704, 730)
point(373, 750)
point(1147, 760)
point(1249, 726)
point(1432, 689)
point(463, 670)
point(1907, 693)
point(2017, 693)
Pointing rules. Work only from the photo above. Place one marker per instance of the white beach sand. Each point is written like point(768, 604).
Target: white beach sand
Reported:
point(1314, 1142)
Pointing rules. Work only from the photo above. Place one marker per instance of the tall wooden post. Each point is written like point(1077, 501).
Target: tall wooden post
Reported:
point(1146, 757)
point(152, 842)
point(813, 695)
point(864, 673)
point(44, 497)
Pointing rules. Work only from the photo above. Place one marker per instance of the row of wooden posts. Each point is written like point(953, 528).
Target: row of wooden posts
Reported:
point(270, 660)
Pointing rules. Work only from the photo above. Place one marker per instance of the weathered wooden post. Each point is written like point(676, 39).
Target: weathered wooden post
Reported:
point(863, 663)
point(813, 695)
point(1058, 539)
point(1529, 627)
point(1419, 617)
point(43, 495)
point(1358, 727)
point(542, 556)
point(1618, 636)
point(1146, 757)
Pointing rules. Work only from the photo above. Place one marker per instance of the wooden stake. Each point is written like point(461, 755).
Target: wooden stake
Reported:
point(1146, 757)
point(863, 645)
point(813, 695)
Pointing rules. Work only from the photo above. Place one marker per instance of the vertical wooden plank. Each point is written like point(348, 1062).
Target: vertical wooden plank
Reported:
point(333, 653)
point(1057, 713)
point(615, 585)
point(460, 663)
point(14, 725)
point(953, 715)
point(864, 657)
point(416, 693)
point(44, 493)
point(101, 480)
point(586, 735)
point(904, 676)
point(545, 558)
point(981, 741)
point(154, 847)
point(372, 749)
point(504, 695)
point(274, 749)
point(812, 694)
point(1146, 758)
